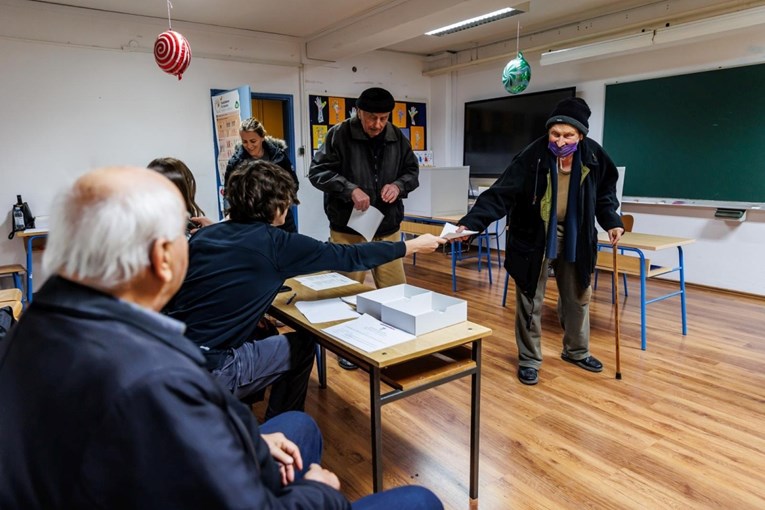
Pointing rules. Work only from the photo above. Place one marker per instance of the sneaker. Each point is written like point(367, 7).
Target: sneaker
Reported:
point(589, 363)
point(344, 363)
point(528, 375)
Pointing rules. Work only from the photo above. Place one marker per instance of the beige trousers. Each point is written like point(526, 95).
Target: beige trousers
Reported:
point(385, 275)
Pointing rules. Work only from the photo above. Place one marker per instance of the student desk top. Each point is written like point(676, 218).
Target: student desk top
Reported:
point(407, 368)
point(640, 266)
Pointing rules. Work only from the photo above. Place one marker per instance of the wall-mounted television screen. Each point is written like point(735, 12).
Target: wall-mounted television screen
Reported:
point(498, 129)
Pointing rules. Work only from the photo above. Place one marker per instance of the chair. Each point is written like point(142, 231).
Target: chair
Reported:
point(16, 271)
point(12, 298)
point(628, 220)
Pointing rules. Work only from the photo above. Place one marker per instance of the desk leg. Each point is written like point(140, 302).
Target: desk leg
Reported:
point(475, 419)
point(323, 371)
point(682, 288)
point(642, 301)
point(375, 411)
point(454, 267)
point(29, 270)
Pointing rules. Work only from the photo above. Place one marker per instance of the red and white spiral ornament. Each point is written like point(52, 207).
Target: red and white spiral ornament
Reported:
point(172, 51)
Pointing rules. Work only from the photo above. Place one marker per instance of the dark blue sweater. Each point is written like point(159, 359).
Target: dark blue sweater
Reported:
point(236, 270)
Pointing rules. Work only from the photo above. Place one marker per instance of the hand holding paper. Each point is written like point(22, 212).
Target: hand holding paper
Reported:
point(450, 231)
point(366, 222)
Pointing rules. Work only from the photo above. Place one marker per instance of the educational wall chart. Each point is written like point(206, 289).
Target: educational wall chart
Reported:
point(326, 111)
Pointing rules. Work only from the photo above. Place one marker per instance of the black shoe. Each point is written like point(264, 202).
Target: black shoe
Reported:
point(344, 363)
point(528, 375)
point(589, 363)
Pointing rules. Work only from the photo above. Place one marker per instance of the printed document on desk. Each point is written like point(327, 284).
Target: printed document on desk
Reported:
point(325, 281)
point(368, 334)
point(325, 310)
point(365, 222)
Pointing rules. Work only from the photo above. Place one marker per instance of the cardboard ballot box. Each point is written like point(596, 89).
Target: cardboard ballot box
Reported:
point(412, 309)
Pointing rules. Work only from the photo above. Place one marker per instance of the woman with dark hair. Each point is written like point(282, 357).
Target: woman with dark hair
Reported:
point(177, 171)
point(258, 144)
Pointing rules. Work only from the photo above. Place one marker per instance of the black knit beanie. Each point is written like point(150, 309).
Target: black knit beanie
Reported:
point(573, 111)
point(375, 100)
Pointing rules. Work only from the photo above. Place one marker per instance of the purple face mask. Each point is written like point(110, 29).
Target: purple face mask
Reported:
point(562, 152)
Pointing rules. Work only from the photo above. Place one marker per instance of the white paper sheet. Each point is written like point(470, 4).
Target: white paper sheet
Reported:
point(368, 334)
point(351, 300)
point(325, 310)
point(325, 281)
point(450, 231)
point(366, 222)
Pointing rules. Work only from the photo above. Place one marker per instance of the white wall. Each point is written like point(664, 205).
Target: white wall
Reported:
point(726, 255)
point(68, 108)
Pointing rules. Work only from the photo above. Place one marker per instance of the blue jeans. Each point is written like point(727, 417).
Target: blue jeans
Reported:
point(300, 428)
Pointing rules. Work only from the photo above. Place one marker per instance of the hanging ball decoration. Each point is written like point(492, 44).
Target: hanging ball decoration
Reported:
point(172, 53)
point(516, 75)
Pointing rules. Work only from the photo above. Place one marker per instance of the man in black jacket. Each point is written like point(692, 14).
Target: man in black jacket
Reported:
point(552, 192)
point(105, 404)
point(367, 161)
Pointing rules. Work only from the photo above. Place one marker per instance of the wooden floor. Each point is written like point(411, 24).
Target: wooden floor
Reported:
point(684, 428)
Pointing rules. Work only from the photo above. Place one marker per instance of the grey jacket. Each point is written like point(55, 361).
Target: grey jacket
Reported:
point(346, 161)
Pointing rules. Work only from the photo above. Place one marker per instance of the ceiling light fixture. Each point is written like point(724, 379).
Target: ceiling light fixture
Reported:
point(673, 33)
point(475, 22)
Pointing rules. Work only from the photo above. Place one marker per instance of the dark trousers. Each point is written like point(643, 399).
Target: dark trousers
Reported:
point(283, 362)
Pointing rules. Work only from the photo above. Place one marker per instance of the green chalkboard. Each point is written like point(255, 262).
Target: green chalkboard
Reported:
point(695, 136)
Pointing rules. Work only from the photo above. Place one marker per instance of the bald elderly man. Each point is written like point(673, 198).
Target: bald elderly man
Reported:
point(105, 403)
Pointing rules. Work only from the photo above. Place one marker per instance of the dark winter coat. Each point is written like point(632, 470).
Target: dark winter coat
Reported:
point(346, 161)
point(105, 405)
point(523, 194)
point(275, 151)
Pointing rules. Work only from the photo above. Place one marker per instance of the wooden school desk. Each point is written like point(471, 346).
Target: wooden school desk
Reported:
point(642, 267)
point(407, 368)
point(418, 225)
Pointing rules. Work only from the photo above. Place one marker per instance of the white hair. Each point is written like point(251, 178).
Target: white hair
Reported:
point(107, 240)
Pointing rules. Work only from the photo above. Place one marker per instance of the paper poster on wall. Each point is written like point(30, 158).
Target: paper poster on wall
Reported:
point(336, 110)
point(319, 105)
point(417, 138)
point(226, 111)
point(398, 116)
point(407, 135)
point(319, 133)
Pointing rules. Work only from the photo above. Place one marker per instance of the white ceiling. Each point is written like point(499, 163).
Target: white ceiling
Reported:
point(335, 29)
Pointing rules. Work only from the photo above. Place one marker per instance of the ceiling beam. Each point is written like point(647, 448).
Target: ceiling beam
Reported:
point(393, 23)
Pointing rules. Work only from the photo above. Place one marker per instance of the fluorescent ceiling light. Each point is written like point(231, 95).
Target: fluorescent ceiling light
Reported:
point(682, 32)
point(620, 45)
point(474, 22)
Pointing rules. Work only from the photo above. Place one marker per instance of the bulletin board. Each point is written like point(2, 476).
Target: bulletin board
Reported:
point(326, 111)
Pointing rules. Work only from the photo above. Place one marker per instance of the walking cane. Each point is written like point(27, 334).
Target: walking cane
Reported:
point(616, 312)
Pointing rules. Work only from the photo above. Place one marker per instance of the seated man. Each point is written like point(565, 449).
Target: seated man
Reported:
point(236, 268)
point(105, 404)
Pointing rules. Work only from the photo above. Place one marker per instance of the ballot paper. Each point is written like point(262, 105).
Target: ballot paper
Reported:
point(450, 231)
point(351, 300)
point(325, 310)
point(365, 222)
point(368, 334)
point(325, 281)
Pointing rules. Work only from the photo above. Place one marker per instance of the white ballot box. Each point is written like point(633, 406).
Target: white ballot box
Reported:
point(412, 309)
point(443, 191)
